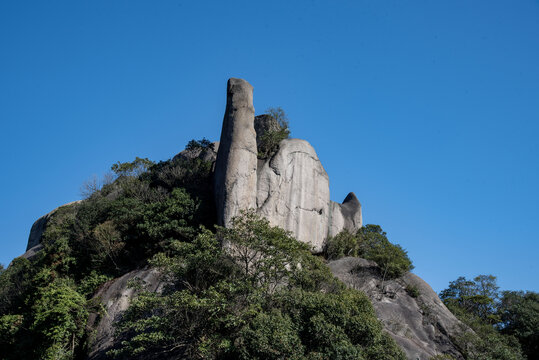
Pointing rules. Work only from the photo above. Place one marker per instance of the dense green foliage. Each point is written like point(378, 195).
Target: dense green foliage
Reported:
point(247, 292)
point(502, 323)
point(251, 292)
point(44, 303)
point(371, 243)
point(519, 314)
point(269, 141)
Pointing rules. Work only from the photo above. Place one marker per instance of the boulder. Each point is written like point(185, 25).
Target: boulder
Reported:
point(290, 188)
point(31, 253)
point(235, 167)
point(204, 154)
point(293, 192)
point(346, 215)
point(115, 297)
point(39, 226)
point(421, 325)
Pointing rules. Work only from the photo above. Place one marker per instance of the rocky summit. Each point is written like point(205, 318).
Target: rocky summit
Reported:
point(290, 188)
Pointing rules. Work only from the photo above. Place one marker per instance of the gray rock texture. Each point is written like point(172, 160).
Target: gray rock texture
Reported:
point(39, 226)
point(115, 296)
point(293, 192)
point(346, 215)
point(422, 326)
point(208, 154)
point(290, 189)
point(235, 167)
point(31, 253)
point(263, 124)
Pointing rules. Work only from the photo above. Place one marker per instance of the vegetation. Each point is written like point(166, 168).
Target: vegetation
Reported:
point(412, 290)
point(269, 141)
point(142, 211)
point(251, 292)
point(371, 243)
point(247, 292)
point(505, 325)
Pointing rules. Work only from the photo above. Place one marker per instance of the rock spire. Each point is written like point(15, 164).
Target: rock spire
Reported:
point(290, 189)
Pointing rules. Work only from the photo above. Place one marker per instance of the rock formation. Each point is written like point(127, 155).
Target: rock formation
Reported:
point(290, 189)
point(115, 296)
point(293, 192)
point(39, 226)
point(422, 326)
point(235, 167)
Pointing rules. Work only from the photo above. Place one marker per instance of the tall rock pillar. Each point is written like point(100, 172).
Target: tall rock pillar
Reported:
point(235, 167)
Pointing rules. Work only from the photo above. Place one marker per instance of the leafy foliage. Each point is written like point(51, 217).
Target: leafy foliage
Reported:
point(43, 303)
point(474, 302)
point(371, 243)
point(519, 313)
point(199, 144)
point(269, 141)
point(261, 296)
point(59, 316)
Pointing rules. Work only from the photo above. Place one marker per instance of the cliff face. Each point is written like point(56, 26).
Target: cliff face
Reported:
point(421, 324)
point(290, 189)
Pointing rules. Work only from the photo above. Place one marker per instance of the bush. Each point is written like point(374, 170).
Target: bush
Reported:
point(269, 141)
point(412, 290)
point(371, 243)
point(264, 296)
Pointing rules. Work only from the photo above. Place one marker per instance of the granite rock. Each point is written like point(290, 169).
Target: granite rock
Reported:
point(235, 167)
point(422, 326)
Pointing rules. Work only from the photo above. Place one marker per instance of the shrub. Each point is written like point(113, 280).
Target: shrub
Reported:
point(412, 290)
point(269, 141)
point(371, 243)
point(222, 304)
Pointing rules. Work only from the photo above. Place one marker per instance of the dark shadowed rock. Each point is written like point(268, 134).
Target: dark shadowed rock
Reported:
point(31, 253)
point(204, 154)
point(422, 326)
point(235, 167)
point(115, 296)
point(39, 226)
point(346, 215)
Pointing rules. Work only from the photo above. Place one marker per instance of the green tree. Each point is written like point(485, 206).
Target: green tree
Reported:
point(519, 312)
point(474, 303)
point(134, 168)
point(269, 141)
point(60, 315)
point(371, 243)
point(477, 296)
point(262, 295)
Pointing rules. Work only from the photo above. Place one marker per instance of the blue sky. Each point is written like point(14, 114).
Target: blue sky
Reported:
point(427, 110)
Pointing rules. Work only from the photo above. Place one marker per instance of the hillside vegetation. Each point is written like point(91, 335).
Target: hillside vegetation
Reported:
point(250, 291)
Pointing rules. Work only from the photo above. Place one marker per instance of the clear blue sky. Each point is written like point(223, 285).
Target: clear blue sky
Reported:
point(427, 110)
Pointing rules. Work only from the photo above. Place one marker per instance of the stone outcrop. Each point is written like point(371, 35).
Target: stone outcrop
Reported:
point(290, 189)
point(346, 215)
point(39, 226)
point(422, 326)
point(235, 167)
point(208, 154)
point(115, 296)
point(293, 192)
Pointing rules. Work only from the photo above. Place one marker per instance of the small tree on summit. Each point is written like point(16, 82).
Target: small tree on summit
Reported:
point(269, 142)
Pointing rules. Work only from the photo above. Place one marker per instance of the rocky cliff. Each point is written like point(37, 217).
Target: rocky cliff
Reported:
point(290, 188)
